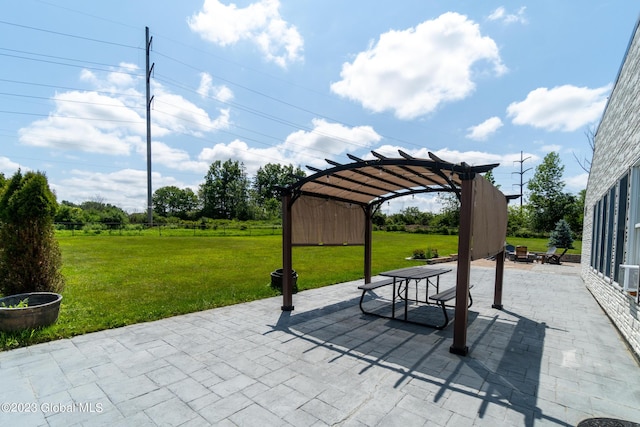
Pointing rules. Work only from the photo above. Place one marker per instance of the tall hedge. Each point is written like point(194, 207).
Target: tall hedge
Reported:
point(30, 258)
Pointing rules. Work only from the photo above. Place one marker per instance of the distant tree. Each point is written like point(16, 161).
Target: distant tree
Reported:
point(574, 213)
point(489, 177)
point(173, 201)
point(3, 182)
point(518, 221)
point(411, 215)
point(68, 213)
point(379, 219)
point(547, 202)
point(271, 176)
point(264, 189)
point(30, 259)
point(449, 210)
point(98, 211)
point(225, 191)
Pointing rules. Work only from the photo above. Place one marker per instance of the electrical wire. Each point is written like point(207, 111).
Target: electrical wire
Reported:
point(58, 33)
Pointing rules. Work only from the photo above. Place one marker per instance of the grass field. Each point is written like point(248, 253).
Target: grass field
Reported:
point(116, 280)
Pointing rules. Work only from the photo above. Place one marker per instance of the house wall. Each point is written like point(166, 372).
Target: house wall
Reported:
point(617, 150)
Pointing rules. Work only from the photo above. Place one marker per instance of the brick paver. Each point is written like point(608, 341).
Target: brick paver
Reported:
point(551, 357)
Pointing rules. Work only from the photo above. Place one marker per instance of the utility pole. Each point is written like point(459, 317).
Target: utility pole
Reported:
point(149, 70)
point(522, 172)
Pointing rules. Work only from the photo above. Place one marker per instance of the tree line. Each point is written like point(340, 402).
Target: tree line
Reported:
point(228, 194)
point(548, 204)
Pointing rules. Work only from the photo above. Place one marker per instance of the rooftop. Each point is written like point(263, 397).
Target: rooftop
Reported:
point(550, 357)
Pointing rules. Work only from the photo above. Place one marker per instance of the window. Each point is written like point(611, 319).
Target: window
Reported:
point(610, 229)
point(615, 239)
point(621, 221)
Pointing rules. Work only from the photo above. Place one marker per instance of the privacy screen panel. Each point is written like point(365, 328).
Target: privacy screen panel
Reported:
point(320, 221)
point(489, 219)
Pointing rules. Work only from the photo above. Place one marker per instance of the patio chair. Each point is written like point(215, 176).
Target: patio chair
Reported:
point(551, 257)
point(522, 254)
point(510, 252)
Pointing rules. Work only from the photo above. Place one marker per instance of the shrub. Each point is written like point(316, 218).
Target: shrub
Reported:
point(30, 258)
point(419, 254)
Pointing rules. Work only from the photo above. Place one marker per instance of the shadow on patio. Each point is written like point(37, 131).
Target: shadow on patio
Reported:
point(421, 354)
point(514, 372)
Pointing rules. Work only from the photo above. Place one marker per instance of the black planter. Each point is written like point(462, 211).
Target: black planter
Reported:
point(42, 310)
point(276, 280)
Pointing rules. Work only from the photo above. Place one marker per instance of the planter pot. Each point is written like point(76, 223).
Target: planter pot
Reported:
point(42, 310)
point(276, 280)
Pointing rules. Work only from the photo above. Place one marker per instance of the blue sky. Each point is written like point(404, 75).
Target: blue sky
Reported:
point(293, 81)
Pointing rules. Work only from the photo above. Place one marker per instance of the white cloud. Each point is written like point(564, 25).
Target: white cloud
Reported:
point(208, 89)
point(485, 129)
point(576, 183)
point(412, 72)
point(562, 108)
point(551, 148)
point(9, 167)
point(112, 119)
point(126, 188)
point(330, 139)
point(175, 158)
point(252, 158)
point(500, 14)
point(86, 121)
point(324, 140)
point(175, 114)
point(259, 23)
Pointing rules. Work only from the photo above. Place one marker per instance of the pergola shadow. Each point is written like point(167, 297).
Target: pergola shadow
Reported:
point(508, 380)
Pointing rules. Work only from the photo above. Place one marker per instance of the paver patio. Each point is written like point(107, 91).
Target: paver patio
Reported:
point(550, 358)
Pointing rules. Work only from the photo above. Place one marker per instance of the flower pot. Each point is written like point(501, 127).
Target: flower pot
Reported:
point(42, 310)
point(278, 275)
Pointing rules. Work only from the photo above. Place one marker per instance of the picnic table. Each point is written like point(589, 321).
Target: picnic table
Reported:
point(400, 281)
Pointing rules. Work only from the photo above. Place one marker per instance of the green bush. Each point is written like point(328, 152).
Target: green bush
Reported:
point(30, 258)
point(419, 254)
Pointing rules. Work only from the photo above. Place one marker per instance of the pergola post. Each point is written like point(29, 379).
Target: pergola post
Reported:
point(459, 345)
point(287, 270)
point(368, 232)
point(497, 292)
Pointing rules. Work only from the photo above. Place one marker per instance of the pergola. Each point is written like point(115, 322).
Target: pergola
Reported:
point(335, 206)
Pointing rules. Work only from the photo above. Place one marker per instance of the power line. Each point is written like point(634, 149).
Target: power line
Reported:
point(69, 117)
point(102, 18)
point(55, 57)
point(275, 99)
point(70, 88)
point(71, 65)
point(56, 99)
point(58, 33)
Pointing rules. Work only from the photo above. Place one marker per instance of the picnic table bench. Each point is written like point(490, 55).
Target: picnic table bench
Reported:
point(396, 278)
point(441, 299)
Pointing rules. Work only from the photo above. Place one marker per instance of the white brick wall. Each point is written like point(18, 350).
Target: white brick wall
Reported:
point(617, 149)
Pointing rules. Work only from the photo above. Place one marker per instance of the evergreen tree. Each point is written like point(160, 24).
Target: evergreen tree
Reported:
point(30, 259)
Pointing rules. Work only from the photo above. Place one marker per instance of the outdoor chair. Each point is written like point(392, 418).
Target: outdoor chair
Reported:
point(522, 254)
point(510, 252)
point(551, 257)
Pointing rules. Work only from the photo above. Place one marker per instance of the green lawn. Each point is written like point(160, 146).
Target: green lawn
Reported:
point(115, 280)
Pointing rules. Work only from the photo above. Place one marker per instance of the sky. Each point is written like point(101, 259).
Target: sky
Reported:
point(298, 82)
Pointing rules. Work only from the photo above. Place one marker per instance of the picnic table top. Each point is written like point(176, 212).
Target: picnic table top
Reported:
point(416, 272)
